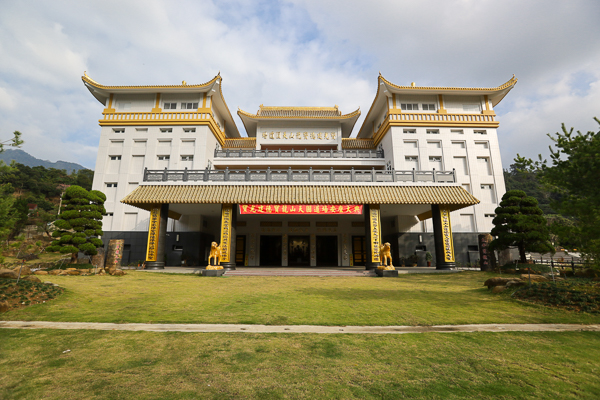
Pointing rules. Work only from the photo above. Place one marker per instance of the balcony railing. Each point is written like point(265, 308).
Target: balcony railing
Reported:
point(227, 153)
point(297, 175)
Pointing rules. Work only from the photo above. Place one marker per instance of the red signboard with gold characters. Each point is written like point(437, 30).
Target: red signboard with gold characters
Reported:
point(310, 209)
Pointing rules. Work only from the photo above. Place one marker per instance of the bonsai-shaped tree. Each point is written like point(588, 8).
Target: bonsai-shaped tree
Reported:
point(80, 223)
point(520, 223)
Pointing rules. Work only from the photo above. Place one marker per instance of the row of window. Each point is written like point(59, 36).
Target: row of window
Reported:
point(163, 130)
point(438, 144)
point(433, 107)
point(184, 106)
point(437, 131)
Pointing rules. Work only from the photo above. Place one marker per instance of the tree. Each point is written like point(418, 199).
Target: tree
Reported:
point(14, 142)
point(574, 174)
point(79, 223)
point(7, 216)
point(520, 223)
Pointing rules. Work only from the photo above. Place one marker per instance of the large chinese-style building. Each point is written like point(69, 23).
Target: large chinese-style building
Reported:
point(423, 173)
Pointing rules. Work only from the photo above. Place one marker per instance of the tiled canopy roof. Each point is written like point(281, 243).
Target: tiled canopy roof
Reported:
point(242, 143)
point(362, 144)
point(298, 111)
point(145, 196)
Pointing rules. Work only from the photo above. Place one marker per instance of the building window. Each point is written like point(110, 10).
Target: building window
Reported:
point(115, 158)
point(170, 106)
point(490, 215)
point(410, 131)
point(457, 131)
point(141, 129)
point(487, 194)
point(409, 106)
point(109, 214)
point(480, 132)
point(484, 162)
point(458, 145)
point(164, 158)
point(189, 106)
point(189, 130)
point(482, 145)
point(433, 131)
point(112, 184)
point(410, 143)
point(429, 107)
point(471, 107)
point(118, 130)
point(187, 158)
point(166, 130)
point(434, 145)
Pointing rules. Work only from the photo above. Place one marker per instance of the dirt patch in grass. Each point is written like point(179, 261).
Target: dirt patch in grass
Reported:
point(20, 295)
point(577, 295)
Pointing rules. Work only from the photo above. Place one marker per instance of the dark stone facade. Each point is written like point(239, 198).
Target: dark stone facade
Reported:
point(192, 247)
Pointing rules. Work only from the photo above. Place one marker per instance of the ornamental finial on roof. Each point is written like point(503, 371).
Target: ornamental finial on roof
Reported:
point(184, 83)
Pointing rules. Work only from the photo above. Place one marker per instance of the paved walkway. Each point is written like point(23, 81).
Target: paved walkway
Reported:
point(303, 271)
point(207, 328)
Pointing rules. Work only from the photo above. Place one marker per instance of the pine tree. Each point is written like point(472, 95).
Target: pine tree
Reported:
point(79, 223)
point(520, 223)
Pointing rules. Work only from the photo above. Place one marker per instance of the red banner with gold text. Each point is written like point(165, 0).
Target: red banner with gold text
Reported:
point(311, 209)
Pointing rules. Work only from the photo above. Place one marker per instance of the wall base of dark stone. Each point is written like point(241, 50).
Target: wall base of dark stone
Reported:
point(181, 248)
point(403, 245)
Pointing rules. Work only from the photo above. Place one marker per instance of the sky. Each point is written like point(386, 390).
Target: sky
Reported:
point(296, 53)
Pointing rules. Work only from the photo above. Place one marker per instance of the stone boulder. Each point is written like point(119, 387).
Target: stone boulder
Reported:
point(32, 278)
point(498, 281)
point(516, 283)
point(4, 307)
point(8, 274)
point(54, 272)
point(40, 273)
point(25, 270)
point(73, 272)
point(534, 278)
point(498, 289)
point(118, 272)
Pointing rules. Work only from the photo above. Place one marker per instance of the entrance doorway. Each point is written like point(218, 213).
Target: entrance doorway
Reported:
point(327, 251)
point(270, 250)
point(299, 251)
point(359, 254)
point(240, 250)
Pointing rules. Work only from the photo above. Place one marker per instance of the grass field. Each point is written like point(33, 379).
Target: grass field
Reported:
point(414, 299)
point(35, 364)
point(145, 365)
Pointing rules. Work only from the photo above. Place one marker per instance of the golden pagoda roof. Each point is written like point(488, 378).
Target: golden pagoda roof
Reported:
point(511, 82)
point(85, 78)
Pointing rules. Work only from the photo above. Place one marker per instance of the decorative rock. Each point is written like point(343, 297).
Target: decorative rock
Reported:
point(534, 278)
point(515, 283)
point(32, 278)
point(114, 254)
point(4, 306)
point(40, 273)
point(119, 272)
point(98, 259)
point(24, 270)
point(71, 269)
point(497, 281)
point(386, 273)
point(62, 272)
point(8, 274)
point(498, 289)
point(54, 271)
point(72, 272)
point(212, 272)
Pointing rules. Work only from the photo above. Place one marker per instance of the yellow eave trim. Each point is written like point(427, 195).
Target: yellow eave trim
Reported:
point(243, 113)
point(511, 82)
point(97, 85)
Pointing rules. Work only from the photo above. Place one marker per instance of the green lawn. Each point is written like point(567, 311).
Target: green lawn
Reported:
point(146, 365)
point(414, 299)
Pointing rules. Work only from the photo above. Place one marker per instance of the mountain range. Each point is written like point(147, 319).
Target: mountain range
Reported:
point(27, 159)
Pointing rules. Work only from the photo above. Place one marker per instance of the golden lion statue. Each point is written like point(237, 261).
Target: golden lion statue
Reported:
point(385, 255)
point(215, 253)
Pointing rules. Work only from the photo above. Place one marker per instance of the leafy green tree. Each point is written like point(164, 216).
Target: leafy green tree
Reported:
point(520, 223)
point(79, 223)
point(7, 216)
point(15, 141)
point(574, 173)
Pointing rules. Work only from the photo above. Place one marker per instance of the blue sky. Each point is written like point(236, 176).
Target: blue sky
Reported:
point(297, 52)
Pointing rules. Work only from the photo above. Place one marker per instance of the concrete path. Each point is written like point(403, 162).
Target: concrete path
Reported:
point(304, 271)
point(207, 328)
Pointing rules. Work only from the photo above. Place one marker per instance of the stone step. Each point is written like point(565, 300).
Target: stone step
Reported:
point(299, 273)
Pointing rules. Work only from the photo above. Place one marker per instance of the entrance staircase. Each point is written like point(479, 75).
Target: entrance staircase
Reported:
point(283, 271)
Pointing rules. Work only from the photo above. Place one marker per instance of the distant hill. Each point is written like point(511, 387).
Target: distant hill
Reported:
point(24, 158)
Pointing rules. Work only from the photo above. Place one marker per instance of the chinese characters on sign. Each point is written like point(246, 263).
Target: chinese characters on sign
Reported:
point(313, 209)
point(484, 252)
point(300, 135)
point(374, 221)
point(226, 215)
point(153, 234)
point(447, 235)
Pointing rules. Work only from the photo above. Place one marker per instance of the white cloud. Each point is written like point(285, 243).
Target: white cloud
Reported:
point(300, 52)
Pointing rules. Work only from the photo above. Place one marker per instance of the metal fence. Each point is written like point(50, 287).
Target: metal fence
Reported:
point(298, 175)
